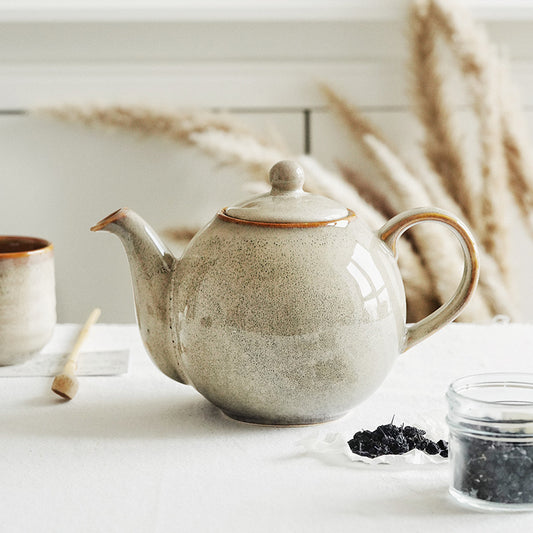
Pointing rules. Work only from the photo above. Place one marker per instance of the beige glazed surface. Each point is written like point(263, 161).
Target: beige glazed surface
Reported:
point(283, 310)
point(273, 334)
point(27, 297)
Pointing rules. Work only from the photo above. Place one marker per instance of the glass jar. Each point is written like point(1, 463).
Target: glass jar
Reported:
point(490, 418)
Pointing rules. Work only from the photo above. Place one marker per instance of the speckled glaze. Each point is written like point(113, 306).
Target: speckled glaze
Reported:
point(27, 297)
point(276, 314)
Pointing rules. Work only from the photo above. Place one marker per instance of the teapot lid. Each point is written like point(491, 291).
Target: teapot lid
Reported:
point(287, 202)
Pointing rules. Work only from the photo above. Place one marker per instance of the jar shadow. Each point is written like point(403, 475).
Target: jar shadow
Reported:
point(433, 502)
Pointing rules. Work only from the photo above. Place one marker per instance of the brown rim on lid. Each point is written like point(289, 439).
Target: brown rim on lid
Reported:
point(223, 215)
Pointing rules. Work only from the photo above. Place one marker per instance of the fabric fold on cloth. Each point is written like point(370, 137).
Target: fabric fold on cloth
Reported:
point(101, 355)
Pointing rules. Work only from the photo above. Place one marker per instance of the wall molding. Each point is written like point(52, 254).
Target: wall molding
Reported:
point(238, 10)
point(371, 84)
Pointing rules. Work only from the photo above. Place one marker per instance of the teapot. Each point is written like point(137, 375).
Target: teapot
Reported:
point(285, 309)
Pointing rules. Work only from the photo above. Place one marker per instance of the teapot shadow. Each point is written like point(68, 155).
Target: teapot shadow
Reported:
point(156, 418)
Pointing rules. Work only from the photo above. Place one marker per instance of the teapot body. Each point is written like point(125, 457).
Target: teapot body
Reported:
point(290, 324)
point(286, 309)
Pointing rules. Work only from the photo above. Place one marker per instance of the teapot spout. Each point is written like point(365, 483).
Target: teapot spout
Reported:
point(152, 267)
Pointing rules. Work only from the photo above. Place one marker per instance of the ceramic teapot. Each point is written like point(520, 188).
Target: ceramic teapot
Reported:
point(285, 309)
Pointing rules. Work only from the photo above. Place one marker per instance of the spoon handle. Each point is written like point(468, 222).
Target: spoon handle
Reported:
point(72, 360)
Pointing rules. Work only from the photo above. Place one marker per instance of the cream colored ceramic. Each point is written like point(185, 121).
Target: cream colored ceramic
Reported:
point(284, 310)
point(27, 297)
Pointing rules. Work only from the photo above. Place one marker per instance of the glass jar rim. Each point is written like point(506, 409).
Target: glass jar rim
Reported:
point(502, 380)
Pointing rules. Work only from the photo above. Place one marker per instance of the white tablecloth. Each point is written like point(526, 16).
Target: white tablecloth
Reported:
point(141, 453)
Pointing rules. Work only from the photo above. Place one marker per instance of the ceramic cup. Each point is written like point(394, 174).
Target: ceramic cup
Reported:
point(27, 297)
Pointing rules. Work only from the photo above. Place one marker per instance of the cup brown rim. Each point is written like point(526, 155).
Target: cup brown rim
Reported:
point(36, 245)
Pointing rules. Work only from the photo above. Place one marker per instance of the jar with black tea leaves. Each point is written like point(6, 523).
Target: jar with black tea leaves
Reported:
point(490, 418)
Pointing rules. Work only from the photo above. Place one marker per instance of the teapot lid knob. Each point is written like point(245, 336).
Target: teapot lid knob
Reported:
point(286, 176)
point(287, 203)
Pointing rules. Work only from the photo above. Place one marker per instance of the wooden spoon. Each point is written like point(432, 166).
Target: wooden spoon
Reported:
point(66, 384)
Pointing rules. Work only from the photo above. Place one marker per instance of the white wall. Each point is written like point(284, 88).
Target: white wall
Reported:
point(263, 61)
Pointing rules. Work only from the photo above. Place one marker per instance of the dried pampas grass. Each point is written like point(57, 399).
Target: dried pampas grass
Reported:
point(231, 143)
point(442, 144)
point(508, 165)
point(446, 176)
point(218, 135)
point(396, 188)
point(517, 150)
point(450, 177)
point(441, 257)
point(482, 71)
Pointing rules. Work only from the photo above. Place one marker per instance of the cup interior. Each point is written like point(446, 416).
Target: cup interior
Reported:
point(16, 245)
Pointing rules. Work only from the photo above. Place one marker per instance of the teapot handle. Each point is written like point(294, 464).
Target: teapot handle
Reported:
point(393, 230)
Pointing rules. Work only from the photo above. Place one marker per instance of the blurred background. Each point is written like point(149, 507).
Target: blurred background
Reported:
point(261, 61)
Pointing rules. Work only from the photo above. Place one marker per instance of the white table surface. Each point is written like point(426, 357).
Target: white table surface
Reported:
point(140, 453)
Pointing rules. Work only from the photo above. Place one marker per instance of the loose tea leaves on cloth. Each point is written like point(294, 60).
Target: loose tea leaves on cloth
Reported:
point(388, 444)
point(390, 439)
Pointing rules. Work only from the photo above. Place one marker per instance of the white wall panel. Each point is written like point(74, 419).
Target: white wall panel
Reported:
point(263, 59)
point(59, 179)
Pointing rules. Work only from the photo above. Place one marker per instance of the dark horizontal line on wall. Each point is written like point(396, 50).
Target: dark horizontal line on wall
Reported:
point(235, 110)
point(263, 110)
point(313, 109)
point(13, 112)
point(280, 110)
point(260, 110)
